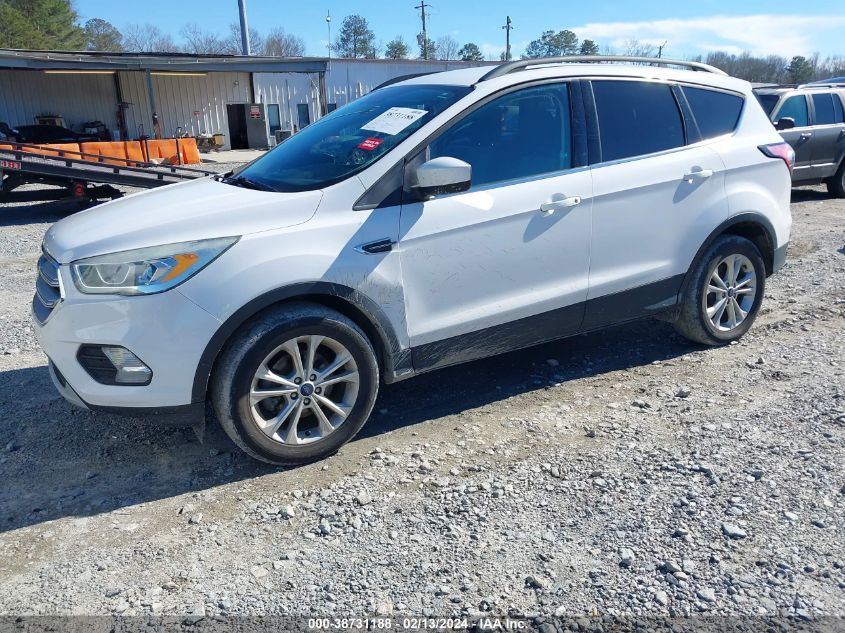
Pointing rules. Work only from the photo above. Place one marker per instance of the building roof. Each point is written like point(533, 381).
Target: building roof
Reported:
point(159, 62)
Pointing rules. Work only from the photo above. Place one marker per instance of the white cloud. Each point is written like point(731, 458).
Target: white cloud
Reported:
point(765, 34)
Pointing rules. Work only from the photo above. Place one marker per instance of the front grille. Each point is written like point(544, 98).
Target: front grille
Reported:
point(47, 294)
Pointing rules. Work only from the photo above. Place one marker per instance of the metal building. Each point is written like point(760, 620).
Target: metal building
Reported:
point(293, 101)
point(246, 99)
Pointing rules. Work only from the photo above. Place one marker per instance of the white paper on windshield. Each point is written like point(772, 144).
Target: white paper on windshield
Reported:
point(394, 120)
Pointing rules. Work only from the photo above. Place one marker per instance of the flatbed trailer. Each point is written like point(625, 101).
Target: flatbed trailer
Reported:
point(77, 175)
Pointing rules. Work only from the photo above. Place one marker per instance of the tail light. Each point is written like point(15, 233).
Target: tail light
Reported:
point(780, 150)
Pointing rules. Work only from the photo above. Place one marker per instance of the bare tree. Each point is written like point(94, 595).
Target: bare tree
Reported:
point(232, 42)
point(636, 48)
point(201, 42)
point(148, 39)
point(281, 44)
point(447, 47)
point(771, 69)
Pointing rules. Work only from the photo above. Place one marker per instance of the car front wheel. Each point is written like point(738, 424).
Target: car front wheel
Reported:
point(724, 292)
point(296, 384)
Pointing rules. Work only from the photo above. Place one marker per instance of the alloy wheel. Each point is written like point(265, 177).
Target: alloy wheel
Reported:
point(304, 390)
point(730, 292)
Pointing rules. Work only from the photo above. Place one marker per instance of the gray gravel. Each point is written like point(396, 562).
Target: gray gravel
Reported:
point(619, 473)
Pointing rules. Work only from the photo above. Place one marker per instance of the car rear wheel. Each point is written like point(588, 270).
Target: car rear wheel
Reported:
point(295, 385)
point(724, 292)
point(836, 184)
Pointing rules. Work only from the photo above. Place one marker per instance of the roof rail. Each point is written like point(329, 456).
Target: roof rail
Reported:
point(522, 64)
point(832, 84)
point(813, 84)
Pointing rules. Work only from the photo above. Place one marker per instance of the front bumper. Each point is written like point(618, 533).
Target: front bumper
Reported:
point(168, 331)
point(183, 415)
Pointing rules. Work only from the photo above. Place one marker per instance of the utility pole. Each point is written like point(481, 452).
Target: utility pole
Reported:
point(244, 28)
point(424, 42)
point(329, 26)
point(660, 49)
point(508, 28)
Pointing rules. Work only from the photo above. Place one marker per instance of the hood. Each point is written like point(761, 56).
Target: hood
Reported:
point(195, 210)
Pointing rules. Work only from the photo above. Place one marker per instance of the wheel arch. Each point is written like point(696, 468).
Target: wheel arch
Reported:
point(755, 227)
point(393, 361)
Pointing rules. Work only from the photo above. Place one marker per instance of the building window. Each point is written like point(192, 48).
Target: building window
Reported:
point(332, 107)
point(274, 118)
point(304, 114)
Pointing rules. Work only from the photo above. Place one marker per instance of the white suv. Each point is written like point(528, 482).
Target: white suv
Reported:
point(439, 220)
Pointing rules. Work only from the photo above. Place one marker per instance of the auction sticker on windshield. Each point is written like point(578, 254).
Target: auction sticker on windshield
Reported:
point(394, 120)
point(370, 144)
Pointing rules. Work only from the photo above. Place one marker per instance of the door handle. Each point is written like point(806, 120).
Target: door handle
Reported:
point(805, 135)
point(379, 246)
point(698, 174)
point(559, 203)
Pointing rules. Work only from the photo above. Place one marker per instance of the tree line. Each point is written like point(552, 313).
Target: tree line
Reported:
point(55, 25)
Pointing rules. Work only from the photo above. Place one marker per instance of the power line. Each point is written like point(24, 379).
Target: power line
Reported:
point(508, 28)
point(424, 35)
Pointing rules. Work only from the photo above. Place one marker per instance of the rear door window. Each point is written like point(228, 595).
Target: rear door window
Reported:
point(716, 113)
point(825, 112)
point(636, 118)
point(838, 110)
point(795, 108)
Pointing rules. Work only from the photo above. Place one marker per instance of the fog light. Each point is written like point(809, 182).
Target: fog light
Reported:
point(113, 365)
point(130, 369)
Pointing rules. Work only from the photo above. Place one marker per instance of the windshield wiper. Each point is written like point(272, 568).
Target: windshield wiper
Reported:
point(249, 183)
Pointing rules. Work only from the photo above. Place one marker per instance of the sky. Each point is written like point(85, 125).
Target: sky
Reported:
point(689, 28)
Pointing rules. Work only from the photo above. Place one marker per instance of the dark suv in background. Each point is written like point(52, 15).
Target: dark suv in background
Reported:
point(811, 118)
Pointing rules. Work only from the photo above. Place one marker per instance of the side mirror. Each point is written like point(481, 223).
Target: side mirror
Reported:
point(785, 123)
point(442, 175)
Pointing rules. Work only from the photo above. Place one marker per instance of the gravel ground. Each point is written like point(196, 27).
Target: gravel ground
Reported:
point(619, 473)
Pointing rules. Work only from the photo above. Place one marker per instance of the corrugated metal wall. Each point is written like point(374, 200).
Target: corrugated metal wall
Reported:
point(84, 97)
point(78, 98)
point(179, 96)
point(346, 80)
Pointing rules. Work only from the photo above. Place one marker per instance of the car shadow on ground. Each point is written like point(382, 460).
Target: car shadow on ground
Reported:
point(40, 212)
point(811, 195)
point(63, 462)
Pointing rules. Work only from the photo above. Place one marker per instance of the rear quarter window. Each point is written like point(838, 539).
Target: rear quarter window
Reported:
point(767, 101)
point(716, 113)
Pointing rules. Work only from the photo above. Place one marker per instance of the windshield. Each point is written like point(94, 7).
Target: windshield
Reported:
point(349, 139)
point(768, 102)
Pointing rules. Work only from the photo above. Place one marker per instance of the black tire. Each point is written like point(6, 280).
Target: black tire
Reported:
point(692, 321)
point(234, 372)
point(836, 183)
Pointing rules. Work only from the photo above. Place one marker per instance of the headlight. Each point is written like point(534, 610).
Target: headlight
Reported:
point(146, 270)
